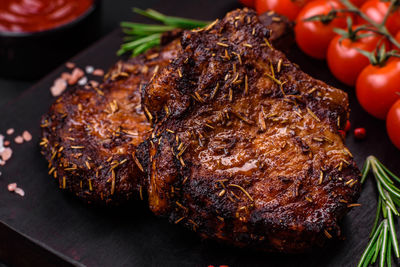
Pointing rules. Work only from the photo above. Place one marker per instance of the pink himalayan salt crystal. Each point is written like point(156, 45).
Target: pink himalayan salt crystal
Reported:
point(70, 65)
point(94, 83)
point(58, 87)
point(19, 139)
point(65, 76)
point(19, 191)
point(98, 72)
point(6, 143)
point(11, 187)
point(10, 131)
point(6, 154)
point(76, 75)
point(27, 136)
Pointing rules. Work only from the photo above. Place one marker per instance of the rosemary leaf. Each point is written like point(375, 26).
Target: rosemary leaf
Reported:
point(171, 21)
point(384, 244)
point(383, 238)
point(378, 245)
point(382, 194)
point(144, 47)
point(389, 253)
point(141, 37)
point(393, 233)
point(389, 172)
point(378, 213)
point(365, 170)
point(371, 247)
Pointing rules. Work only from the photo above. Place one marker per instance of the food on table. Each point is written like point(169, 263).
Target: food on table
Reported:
point(246, 148)
point(313, 37)
point(344, 59)
point(39, 15)
point(393, 124)
point(377, 87)
point(376, 10)
point(90, 136)
point(288, 8)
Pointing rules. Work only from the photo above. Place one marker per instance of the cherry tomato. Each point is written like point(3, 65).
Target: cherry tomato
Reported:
point(357, 3)
point(376, 10)
point(397, 37)
point(248, 3)
point(313, 37)
point(393, 124)
point(345, 62)
point(377, 87)
point(288, 8)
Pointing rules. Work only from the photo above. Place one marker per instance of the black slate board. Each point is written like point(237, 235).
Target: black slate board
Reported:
point(48, 227)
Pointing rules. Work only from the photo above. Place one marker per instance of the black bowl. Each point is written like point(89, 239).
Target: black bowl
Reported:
point(31, 55)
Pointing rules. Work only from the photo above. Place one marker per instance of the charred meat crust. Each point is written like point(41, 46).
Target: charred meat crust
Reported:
point(90, 134)
point(246, 148)
point(88, 131)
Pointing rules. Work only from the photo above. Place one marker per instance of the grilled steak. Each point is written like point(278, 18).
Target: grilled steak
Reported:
point(246, 148)
point(90, 135)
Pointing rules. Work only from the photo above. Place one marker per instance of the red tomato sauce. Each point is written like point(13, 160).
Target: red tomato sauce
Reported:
point(39, 15)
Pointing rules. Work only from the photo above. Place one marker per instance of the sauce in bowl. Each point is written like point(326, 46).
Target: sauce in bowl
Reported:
point(39, 15)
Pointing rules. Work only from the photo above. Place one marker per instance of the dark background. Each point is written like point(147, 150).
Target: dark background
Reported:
point(112, 13)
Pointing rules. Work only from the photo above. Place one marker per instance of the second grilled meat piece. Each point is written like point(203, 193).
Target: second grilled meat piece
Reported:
point(246, 148)
point(90, 135)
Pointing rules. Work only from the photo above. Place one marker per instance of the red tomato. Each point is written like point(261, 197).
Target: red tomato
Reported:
point(376, 10)
point(393, 124)
point(357, 3)
point(248, 3)
point(288, 8)
point(377, 87)
point(313, 37)
point(345, 62)
point(397, 37)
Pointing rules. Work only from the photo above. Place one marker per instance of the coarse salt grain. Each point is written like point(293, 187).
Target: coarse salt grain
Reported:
point(19, 191)
point(19, 139)
point(98, 72)
point(65, 76)
point(1, 143)
point(70, 65)
point(11, 187)
point(94, 83)
point(6, 154)
point(76, 75)
point(10, 131)
point(27, 136)
point(58, 87)
point(89, 69)
point(83, 81)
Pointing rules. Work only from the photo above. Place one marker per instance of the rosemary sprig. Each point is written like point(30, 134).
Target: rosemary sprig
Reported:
point(141, 37)
point(383, 239)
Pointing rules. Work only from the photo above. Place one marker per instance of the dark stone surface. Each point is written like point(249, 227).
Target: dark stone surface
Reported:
point(57, 227)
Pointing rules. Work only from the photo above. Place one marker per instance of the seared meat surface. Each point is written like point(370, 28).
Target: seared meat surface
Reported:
point(246, 148)
point(90, 135)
